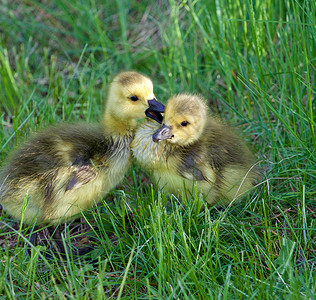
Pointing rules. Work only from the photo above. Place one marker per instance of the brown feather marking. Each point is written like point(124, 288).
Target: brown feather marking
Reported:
point(81, 175)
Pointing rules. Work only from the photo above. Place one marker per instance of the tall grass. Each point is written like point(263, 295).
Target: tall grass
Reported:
point(255, 63)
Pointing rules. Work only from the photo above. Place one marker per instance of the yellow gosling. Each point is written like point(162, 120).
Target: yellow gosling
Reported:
point(65, 169)
point(194, 150)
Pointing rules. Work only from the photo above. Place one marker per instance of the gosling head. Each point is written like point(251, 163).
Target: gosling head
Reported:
point(131, 95)
point(184, 120)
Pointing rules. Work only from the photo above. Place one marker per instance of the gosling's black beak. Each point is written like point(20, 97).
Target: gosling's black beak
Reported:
point(156, 106)
point(154, 110)
point(163, 133)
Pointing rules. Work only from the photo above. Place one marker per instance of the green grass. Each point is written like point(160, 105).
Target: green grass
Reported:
point(255, 63)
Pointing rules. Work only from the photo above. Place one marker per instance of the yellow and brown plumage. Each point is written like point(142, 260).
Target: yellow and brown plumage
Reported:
point(194, 150)
point(65, 169)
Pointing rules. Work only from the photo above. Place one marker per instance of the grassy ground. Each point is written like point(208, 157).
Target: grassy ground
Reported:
point(254, 61)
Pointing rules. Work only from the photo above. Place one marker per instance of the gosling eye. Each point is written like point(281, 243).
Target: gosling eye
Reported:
point(134, 98)
point(184, 123)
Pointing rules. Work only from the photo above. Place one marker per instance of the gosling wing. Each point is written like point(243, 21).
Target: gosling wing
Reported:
point(194, 165)
point(188, 169)
point(82, 173)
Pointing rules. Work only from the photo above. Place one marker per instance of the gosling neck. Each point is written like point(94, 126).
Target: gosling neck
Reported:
point(117, 126)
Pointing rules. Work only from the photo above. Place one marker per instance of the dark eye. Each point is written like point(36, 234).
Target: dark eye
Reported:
point(133, 98)
point(184, 123)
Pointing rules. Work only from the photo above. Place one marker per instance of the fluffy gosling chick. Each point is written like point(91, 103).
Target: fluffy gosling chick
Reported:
point(193, 149)
point(65, 169)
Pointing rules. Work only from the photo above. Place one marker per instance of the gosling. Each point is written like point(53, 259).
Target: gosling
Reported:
point(65, 169)
point(193, 150)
